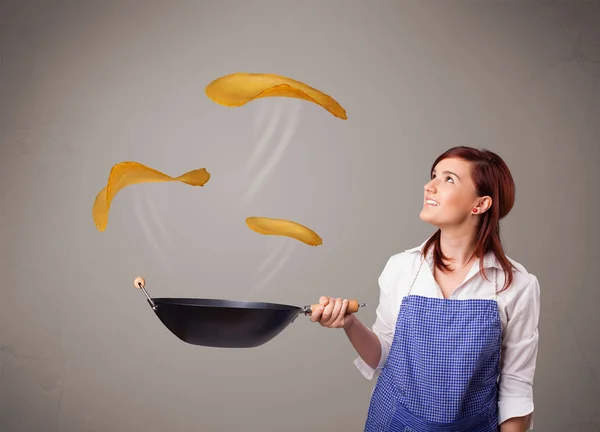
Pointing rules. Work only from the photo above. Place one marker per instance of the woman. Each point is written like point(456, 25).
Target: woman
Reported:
point(455, 340)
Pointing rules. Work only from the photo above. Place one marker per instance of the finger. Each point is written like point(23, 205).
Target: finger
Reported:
point(337, 310)
point(327, 312)
point(324, 300)
point(339, 322)
point(315, 316)
point(337, 305)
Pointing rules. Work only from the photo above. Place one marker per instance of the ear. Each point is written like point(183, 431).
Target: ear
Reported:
point(483, 204)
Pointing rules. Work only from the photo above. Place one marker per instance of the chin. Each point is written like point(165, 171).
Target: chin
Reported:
point(429, 218)
point(425, 217)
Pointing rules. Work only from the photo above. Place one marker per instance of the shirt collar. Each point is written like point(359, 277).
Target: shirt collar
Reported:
point(489, 260)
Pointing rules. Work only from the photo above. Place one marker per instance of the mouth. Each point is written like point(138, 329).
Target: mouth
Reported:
point(431, 202)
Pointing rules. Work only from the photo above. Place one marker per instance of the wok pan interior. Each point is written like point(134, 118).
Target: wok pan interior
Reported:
point(224, 303)
point(224, 323)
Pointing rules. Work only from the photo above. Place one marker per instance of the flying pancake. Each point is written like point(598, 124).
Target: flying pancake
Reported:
point(129, 173)
point(283, 227)
point(239, 88)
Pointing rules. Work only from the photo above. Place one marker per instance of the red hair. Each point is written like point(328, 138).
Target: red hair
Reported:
point(492, 178)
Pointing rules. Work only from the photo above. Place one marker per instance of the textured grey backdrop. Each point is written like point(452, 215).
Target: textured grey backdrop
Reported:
point(84, 85)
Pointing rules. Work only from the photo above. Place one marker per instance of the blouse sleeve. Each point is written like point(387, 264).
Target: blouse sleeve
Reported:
point(384, 325)
point(519, 354)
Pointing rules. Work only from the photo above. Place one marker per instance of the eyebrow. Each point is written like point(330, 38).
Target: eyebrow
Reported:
point(449, 172)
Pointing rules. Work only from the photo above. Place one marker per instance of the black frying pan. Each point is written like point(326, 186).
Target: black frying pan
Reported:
point(226, 323)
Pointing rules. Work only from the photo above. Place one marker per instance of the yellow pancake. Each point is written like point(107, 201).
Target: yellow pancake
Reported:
point(283, 227)
point(129, 173)
point(239, 88)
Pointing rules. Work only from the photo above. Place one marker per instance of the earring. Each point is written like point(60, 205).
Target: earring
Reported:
point(475, 210)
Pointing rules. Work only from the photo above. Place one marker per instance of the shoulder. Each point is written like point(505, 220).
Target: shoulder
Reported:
point(401, 263)
point(397, 271)
point(525, 285)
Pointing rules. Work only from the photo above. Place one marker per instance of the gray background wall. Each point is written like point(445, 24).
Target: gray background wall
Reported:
point(85, 85)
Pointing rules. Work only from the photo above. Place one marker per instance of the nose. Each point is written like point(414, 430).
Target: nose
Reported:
point(430, 186)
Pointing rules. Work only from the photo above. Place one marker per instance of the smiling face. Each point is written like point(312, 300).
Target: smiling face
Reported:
point(450, 197)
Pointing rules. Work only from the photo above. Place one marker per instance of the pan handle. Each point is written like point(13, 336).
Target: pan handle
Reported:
point(353, 306)
point(140, 282)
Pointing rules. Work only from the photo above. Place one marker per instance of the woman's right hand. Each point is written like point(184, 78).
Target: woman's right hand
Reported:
point(332, 313)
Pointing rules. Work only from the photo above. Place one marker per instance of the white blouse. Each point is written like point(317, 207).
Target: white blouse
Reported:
point(519, 307)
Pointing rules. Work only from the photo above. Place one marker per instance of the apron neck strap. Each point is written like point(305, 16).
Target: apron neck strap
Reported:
point(416, 275)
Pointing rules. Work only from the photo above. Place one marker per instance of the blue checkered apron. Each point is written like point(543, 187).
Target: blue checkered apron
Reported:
point(442, 369)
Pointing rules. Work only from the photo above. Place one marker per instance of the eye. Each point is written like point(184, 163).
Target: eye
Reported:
point(450, 179)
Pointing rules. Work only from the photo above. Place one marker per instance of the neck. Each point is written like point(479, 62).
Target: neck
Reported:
point(458, 246)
